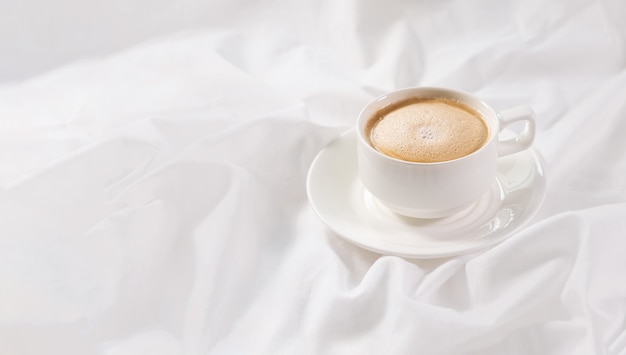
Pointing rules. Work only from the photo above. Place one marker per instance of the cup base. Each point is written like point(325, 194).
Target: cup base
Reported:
point(491, 197)
point(425, 214)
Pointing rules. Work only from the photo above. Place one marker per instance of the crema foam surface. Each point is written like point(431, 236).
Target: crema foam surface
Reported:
point(427, 131)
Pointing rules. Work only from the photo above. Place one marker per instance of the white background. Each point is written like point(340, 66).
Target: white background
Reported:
point(153, 158)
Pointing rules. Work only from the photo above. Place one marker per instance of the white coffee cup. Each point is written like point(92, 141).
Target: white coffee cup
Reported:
point(438, 189)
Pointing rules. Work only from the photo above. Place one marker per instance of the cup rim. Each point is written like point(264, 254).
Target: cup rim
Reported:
point(493, 127)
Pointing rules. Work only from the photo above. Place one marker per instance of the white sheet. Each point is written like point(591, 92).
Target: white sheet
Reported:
point(153, 200)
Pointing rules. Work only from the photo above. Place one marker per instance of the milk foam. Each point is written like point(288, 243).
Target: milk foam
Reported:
point(428, 131)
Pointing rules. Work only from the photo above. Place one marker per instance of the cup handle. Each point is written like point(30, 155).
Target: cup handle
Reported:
point(522, 140)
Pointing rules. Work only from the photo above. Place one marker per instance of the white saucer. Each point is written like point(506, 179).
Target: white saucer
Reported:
point(342, 203)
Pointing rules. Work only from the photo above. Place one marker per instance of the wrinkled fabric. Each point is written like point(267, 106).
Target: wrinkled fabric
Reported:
point(152, 200)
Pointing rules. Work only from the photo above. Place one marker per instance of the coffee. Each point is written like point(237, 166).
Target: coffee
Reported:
point(427, 130)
